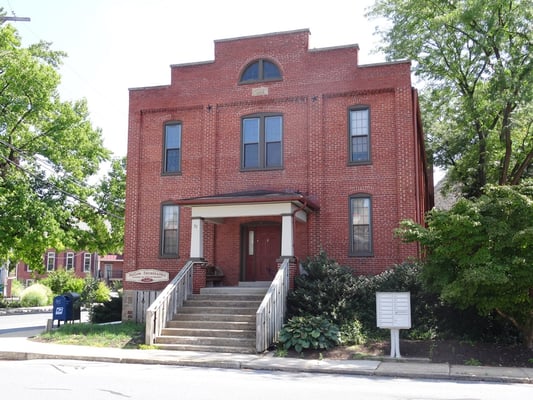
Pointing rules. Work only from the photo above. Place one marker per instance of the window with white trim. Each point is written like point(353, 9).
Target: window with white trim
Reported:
point(50, 261)
point(69, 262)
point(87, 262)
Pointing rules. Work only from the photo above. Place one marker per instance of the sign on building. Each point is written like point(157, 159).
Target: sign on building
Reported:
point(147, 276)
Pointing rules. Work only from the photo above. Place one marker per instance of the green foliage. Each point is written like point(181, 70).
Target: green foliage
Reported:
point(61, 281)
point(324, 289)
point(309, 333)
point(49, 152)
point(94, 291)
point(108, 311)
point(352, 333)
point(36, 295)
point(480, 253)
point(122, 335)
point(477, 101)
point(16, 288)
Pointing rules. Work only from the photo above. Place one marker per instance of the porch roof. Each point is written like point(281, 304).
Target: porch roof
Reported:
point(251, 196)
point(249, 203)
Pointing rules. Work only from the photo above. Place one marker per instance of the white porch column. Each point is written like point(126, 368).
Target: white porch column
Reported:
point(287, 236)
point(197, 238)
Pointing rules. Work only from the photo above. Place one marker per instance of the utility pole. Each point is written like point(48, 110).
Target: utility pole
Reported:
point(23, 19)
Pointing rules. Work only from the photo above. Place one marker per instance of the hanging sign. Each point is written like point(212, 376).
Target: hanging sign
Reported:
point(147, 276)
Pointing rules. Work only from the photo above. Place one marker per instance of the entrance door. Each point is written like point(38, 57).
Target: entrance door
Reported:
point(262, 249)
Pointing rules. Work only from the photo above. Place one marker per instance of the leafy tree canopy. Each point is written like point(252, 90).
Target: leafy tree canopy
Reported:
point(480, 253)
point(48, 153)
point(475, 61)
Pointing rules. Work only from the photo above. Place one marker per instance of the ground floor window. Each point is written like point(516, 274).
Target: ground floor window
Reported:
point(360, 225)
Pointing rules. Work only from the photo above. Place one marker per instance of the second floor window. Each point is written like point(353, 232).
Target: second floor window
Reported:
point(262, 138)
point(359, 132)
point(172, 148)
point(50, 261)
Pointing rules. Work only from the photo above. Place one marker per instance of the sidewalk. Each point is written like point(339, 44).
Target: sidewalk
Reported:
point(24, 349)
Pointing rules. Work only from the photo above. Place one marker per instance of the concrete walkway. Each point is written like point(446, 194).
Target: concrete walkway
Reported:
point(25, 349)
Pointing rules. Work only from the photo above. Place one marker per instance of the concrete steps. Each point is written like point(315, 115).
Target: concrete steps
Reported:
point(219, 319)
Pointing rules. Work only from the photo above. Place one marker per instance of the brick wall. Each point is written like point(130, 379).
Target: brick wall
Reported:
point(317, 88)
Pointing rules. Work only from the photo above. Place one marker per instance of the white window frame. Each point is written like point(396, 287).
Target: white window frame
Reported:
point(50, 261)
point(87, 262)
point(69, 261)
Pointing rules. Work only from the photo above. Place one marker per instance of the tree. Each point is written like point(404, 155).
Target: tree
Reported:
point(48, 152)
point(480, 253)
point(475, 60)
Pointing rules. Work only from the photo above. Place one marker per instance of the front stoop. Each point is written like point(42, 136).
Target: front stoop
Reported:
point(219, 319)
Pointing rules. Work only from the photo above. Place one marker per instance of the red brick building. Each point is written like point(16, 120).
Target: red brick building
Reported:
point(81, 263)
point(273, 150)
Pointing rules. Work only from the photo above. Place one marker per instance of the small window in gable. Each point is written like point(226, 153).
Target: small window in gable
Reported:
point(260, 70)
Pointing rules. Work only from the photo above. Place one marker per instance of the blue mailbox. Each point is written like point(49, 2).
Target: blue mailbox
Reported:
point(66, 307)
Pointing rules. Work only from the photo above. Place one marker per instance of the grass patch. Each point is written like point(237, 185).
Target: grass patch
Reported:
point(125, 335)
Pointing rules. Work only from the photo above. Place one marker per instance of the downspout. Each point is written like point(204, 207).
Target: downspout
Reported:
point(302, 207)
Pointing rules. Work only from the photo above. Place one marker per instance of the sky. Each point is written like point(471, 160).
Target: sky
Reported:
point(114, 45)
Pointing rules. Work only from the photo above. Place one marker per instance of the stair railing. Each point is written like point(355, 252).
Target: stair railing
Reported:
point(271, 313)
point(166, 305)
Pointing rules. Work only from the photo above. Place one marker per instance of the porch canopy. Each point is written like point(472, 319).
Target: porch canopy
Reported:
point(259, 203)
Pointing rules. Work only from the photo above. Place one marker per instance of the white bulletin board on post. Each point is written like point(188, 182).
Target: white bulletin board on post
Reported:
point(393, 310)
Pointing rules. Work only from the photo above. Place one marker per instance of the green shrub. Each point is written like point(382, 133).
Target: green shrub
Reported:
point(352, 334)
point(37, 295)
point(61, 281)
point(309, 333)
point(16, 288)
point(109, 311)
point(324, 289)
point(94, 291)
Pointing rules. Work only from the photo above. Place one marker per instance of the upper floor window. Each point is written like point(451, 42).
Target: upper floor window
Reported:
point(361, 225)
point(170, 215)
point(359, 135)
point(87, 262)
point(260, 70)
point(70, 261)
point(262, 137)
point(50, 261)
point(172, 148)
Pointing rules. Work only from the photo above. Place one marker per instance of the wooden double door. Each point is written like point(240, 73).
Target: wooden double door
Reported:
point(261, 249)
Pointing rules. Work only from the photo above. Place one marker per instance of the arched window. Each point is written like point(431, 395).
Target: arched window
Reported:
point(259, 71)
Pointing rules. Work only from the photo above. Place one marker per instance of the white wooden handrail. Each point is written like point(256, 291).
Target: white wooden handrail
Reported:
point(165, 306)
point(271, 313)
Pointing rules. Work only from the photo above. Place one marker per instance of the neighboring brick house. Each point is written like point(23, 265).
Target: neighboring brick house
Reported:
point(272, 151)
point(82, 263)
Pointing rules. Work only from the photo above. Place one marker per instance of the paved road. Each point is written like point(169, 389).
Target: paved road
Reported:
point(60, 379)
point(26, 325)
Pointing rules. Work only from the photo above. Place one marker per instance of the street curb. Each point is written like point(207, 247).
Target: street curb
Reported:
point(447, 372)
